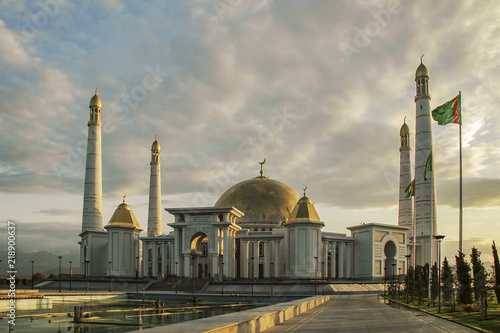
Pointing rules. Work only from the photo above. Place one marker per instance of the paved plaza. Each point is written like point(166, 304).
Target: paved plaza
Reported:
point(365, 314)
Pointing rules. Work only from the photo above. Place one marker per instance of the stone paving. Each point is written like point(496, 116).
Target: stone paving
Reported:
point(365, 314)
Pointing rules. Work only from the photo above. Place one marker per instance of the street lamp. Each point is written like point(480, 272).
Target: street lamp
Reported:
point(408, 256)
point(60, 257)
point(70, 274)
point(176, 276)
point(315, 274)
point(439, 239)
point(109, 276)
point(87, 272)
point(32, 263)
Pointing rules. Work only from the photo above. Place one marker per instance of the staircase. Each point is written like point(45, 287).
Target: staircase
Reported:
point(183, 284)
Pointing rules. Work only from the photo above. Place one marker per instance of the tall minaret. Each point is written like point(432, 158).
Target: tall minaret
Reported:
point(93, 248)
point(92, 197)
point(425, 196)
point(405, 217)
point(154, 216)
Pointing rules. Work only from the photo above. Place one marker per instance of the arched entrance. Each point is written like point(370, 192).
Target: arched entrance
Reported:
point(200, 260)
point(390, 261)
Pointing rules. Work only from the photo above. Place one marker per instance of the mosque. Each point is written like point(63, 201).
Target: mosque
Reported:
point(260, 227)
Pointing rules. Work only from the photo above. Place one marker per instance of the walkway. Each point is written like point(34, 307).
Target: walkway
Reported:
point(364, 314)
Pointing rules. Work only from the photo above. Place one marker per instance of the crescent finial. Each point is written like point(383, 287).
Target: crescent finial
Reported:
point(404, 120)
point(305, 190)
point(124, 196)
point(96, 89)
point(261, 167)
point(421, 58)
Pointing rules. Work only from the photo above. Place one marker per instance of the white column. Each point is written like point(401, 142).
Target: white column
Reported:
point(267, 256)
point(332, 260)
point(187, 265)
point(244, 256)
point(256, 260)
point(176, 251)
point(277, 258)
point(325, 259)
point(227, 250)
point(341, 260)
point(154, 254)
point(145, 258)
point(348, 268)
point(164, 259)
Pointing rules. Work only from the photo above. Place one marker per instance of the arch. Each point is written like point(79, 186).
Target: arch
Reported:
point(390, 252)
point(196, 239)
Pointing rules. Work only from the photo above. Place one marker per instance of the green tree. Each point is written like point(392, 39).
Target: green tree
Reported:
point(410, 282)
point(38, 277)
point(434, 282)
point(476, 269)
point(464, 292)
point(447, 280)
point(496, 279)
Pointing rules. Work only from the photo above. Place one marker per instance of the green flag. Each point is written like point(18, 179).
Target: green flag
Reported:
point(449, 112)
point(410, 190)
point(428, 165)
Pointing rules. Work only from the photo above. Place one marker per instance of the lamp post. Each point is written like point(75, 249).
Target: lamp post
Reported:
point(315, 274)
point(439, 239)
point(60, 257)
point(137, 275)
point(385, 276)
point(70, 274)
point(408, 256)
point(32, 264)
point(109, 276)
point(252, 258)
point(176, 276)
point(87, 272)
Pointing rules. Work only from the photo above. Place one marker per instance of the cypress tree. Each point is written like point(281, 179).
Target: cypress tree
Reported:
point(497, 271)
point(464, 293)
point(447, 280)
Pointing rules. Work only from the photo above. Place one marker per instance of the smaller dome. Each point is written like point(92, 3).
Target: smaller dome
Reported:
point(405, 130)
point(304, 211)
point(124, 216)
point(95, 101)
point(421, 71)
point(156, 146)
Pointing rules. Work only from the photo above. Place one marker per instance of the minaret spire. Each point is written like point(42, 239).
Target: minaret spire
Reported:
point(154, 214)
point(405, 216)
point(425, 196)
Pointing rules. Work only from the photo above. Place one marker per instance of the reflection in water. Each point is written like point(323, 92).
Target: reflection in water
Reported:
point(120, 315)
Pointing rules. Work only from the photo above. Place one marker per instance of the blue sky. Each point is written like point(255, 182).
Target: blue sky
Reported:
point(319, 88)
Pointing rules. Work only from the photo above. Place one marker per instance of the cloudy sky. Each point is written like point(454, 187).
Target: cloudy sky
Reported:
point(319, 88)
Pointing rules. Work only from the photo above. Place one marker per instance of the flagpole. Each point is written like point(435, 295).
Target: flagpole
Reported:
point(460, 222)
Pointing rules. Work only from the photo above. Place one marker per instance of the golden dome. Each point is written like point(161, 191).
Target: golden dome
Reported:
point(304, 211)
point(95, 101)
point(261, 199)
point(405, 130)
point(421, 71)
point(156, 146)
point(124, 216)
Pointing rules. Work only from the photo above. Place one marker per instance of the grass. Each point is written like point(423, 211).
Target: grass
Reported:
point(468, 315)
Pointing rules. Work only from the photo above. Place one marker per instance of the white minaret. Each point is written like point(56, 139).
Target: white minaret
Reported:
point(425, 196)
point(405, 217)
point(154, 215)
point(93, 256)
point(92, 196)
